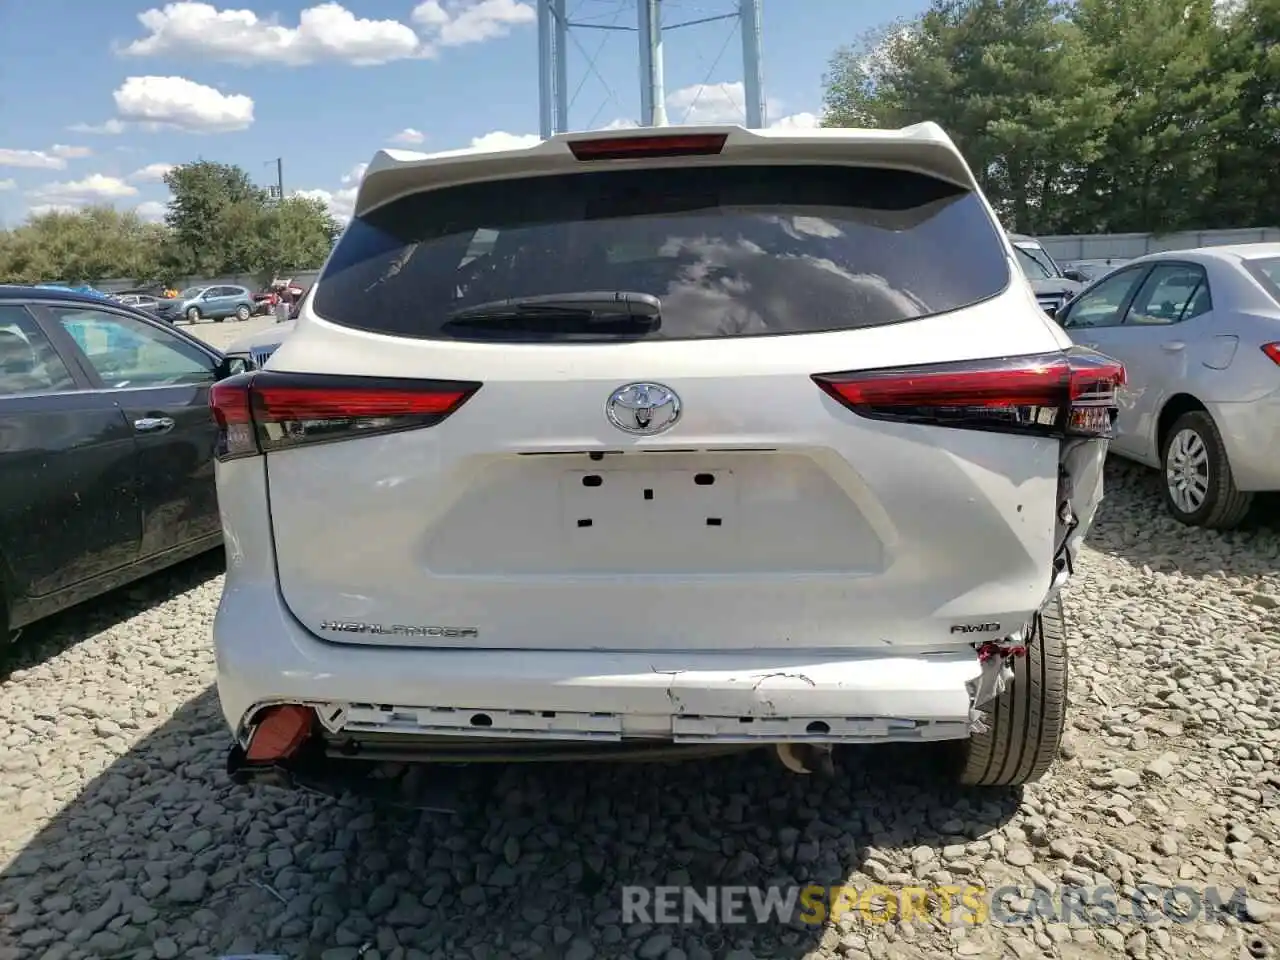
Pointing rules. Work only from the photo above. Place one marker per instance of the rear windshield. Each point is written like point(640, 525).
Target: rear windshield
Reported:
point(1267, 272)
point(728, 251)
point(1035, 262)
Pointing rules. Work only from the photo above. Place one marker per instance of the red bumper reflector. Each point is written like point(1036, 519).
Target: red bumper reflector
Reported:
point(279, 734)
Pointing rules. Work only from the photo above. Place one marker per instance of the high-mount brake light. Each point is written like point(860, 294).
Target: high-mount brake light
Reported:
point(662, 145)
point(263, 411)
point(1072, 393)
point(1272, 350)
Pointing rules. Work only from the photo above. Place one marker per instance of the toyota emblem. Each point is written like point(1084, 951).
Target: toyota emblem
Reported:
point(643, 409)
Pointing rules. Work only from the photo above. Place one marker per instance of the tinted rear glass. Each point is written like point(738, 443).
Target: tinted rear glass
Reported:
point(1267, 271)
point(729, 251)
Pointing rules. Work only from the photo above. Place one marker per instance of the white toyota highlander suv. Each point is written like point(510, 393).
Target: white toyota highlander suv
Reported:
point(659, 442)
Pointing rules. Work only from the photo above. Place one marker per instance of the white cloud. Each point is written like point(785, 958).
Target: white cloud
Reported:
point(340, 202)
point(454, 23)
point(8, 184)
point(94, 188)
point(183, 104)
point(326, 32)
point(798, 121)
point(409, 136)
point(40, 209)
point(111, 127)
point(152, 211)
point(501, 140)
point(705, 103)
point(70, 153)
point(31, 159)
point(151, 173)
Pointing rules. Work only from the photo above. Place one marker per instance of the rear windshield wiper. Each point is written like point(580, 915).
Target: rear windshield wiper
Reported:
point(589, 307)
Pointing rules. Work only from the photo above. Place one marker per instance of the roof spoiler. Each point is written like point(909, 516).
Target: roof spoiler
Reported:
point(923, 147)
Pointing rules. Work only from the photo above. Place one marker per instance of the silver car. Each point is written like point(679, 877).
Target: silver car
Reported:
point(253, 351)
point(1199, 333)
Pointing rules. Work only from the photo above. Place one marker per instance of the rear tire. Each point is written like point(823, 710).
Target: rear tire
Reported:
point(1025, 723)
point(1192, 449)
point(242, 313)
point(193, 315)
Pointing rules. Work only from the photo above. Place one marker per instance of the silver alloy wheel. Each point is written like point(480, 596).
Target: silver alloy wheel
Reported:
point(1186, 471)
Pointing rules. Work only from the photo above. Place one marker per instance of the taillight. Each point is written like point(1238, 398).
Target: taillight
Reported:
point(262, 411)
point(662, 145)
point(1057, 394)
point(1272, 350)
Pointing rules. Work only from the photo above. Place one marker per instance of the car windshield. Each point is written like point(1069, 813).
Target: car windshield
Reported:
point(729, 252)
point(1266, 270)
point(1036, 264)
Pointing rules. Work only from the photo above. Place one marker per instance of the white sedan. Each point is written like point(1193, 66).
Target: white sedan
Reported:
point(1198, 332)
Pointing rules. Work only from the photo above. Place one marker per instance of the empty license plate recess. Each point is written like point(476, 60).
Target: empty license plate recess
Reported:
point(679, 504)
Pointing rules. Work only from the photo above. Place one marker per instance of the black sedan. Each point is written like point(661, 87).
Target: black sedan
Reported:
point(106, 449)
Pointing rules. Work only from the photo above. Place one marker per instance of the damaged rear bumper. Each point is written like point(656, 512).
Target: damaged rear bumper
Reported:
point(265, 658)
point(608, 698)
point(473, 707)
point(403, 704)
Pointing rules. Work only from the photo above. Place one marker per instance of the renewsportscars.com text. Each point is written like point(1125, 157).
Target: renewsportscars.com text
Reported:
point(958, 904)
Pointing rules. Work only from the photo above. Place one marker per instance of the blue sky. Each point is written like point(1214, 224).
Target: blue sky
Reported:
point(103, 95)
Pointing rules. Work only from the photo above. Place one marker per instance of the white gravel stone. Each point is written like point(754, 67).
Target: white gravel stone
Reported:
point(120, 835)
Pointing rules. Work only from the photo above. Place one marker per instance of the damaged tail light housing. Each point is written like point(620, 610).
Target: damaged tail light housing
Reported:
point(264, 411)
point(1272, 350)
point(1066, 393)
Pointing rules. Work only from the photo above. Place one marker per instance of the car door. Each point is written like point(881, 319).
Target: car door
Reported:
point(160, 379)
point(1091, 321)
point(228, 298)
point(68, 506)
point(1154, 342)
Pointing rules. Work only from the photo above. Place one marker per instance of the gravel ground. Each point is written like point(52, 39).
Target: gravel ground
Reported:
point(120, 835)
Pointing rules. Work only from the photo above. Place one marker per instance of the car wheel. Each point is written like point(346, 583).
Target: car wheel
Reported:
point(1198, 488)
point(242, 312)
point(193, 314)
point(1024, 723)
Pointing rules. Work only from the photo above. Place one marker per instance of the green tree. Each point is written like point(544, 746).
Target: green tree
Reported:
point(1010, 81)
point(212, 209)
point(1176, 114)
point(1247, 181)
point(84, 246)
point(294, 233)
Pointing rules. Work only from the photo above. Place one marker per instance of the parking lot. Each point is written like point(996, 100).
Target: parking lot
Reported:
point(121, 835)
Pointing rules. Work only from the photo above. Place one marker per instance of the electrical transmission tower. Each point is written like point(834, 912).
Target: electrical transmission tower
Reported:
point(554, 28)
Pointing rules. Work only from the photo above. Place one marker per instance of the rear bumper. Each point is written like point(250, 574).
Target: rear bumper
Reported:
point(1251, 432)
point(265, 657)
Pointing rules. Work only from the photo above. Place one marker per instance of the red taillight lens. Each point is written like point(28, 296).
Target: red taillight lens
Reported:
point(1073, 392)
point(264, 411)
point(1272, 350)
point(626, 148)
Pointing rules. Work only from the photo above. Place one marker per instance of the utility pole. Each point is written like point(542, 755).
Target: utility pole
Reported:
point(653, 96)
point(553, 54)
point(752, 67)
